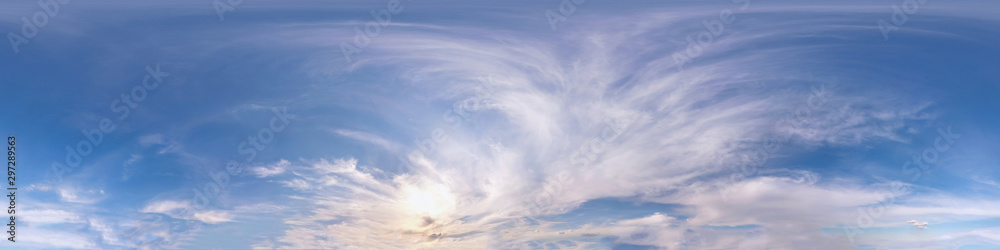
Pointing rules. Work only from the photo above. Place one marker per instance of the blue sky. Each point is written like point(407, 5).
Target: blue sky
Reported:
point(504, 125)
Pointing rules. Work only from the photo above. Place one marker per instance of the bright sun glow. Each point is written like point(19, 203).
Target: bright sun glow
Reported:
point(429, 200)
point(422, 202)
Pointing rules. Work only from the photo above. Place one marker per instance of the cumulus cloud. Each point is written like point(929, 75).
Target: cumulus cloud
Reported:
point(918, 225)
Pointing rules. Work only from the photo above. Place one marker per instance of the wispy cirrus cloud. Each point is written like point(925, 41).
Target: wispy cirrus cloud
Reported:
point(537, 147)
point(369, 138)
point(273, 169)
point(182, 210)
point(552, 97)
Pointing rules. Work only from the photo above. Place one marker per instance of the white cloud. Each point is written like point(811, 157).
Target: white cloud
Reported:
point(299, 184)
point(165, 206)
point(265, 208)
point(270, 170)
point(39, 187)
point(985, 181)
point(543, 147)
point(50, 216)
point(76, 195)
point(107, 232)
point(45, 238)
point(369, 138)
point(185, 211)
point(554, 98)
point(213, 216)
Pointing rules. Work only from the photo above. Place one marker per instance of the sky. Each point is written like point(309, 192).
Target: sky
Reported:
point(443, 124)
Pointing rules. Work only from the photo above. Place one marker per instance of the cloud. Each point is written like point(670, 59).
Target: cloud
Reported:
point(918, 225)
point(165, 206)
point(270, 170)
point(185, 211)
point(108, 234)
point(44, 238)
point(299, 184)
point(76, 195)
point(152, 139)
point(39, 187)
point(985, 181)
point(600, 113)
point(941, 207)
point(213, 216)
point(127, 166)
point(264, 208)
point(51, 216)
point(132, 159)
point(170, 146)
point(368, 138)
point(589, 113)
